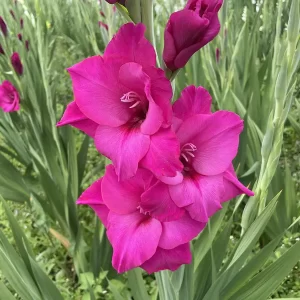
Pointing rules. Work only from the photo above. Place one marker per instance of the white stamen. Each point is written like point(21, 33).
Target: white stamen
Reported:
point(131, 97)
point(187, 149)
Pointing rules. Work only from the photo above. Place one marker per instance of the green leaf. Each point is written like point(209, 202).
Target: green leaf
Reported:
point(46, 286)
point(137, 285)
point(5, 293)
point(264, 283)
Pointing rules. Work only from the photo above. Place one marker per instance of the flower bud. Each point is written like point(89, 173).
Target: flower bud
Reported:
point(27, 45)
point(16, 63)
point(20, 37)
point(21, 23)
point(101, 24)
point(1, 50)
point(189, 30)
point(3, 26)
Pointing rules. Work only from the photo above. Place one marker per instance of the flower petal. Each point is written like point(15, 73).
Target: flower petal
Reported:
point(163, 156)
point(216, 137)
point(93, 198)
point(98, 92)
point(134, 79)
point(179, 232)
point(193, 101)
point(131, 44)
point(125, 146)
point(208, 203)
point(157, 202)
point(74, 117)
point(232, 186)
point(168, 259)
point(123, 197)
point(161, 92)
point(134, 238)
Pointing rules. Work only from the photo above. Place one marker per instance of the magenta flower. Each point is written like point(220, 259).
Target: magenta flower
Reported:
point(145, 228)
point(9, 97)
point(127, 99)
point(209, 143)
point(189, 30)
point(3, 26)
point(16, 63)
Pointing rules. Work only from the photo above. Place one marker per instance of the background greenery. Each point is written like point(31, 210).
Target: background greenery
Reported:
point(247, 251)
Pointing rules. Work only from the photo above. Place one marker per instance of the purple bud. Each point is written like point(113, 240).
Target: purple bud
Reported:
point(16, 63)
point(1, 50)
point(217, 55)
point(12, 13)
point(22, 23)
point(27, 45)
point(3, 26)
point(101, 24)
point(20, 37)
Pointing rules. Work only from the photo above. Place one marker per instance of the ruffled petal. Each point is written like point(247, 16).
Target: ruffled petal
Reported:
point(93, 198)
point(193, 101)
point(163, 156)
point(179, 232)
point(123, 197)
point(131, 44)
point(124, 145)
point(168, 259)
point(134, 238)
point(157, 202)
point(98, 92)
point(208, 202)
point(216, 138)
point(232, 186)
point(74, 117)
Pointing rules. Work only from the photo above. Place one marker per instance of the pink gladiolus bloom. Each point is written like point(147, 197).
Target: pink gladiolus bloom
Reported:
point(9, 97)
point(3, 26)
point(16, 62)
point(123, 100)
point(145, 227)
point(189, 30)
point(101, 24)
point(209, 143)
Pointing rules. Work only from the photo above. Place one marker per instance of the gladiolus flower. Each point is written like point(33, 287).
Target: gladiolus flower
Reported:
point(146, 229)
point(208, 143)
point(123, 100)
point(101, 24)
point(16, 63)
point(1, 50)
point(189, 30)
point(20, 37)
point(27, 45)
point(3, 26)
point(9, 97)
